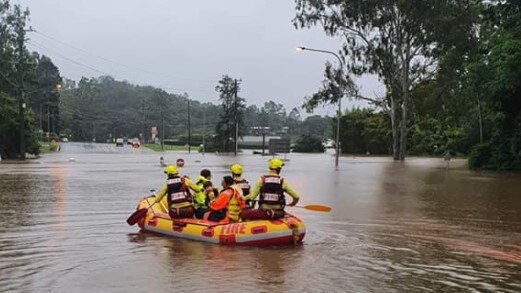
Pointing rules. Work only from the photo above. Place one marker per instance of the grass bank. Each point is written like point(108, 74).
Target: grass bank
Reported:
point(157, 147)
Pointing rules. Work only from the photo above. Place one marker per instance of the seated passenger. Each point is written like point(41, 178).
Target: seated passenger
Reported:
point(228, 205)
point(206, 176)
point(202, 198)
point(242, 183)
point(177, 190)
point(271, 188)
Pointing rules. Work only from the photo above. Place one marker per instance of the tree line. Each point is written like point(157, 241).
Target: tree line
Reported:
point(28, 83)
point(102, 109)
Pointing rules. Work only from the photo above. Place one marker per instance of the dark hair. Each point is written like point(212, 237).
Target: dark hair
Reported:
point(206, 173)
point(207, 184)
point(228, 180)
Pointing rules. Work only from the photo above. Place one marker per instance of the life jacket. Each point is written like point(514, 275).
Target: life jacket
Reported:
point(200, 182)
point(271, 192)
point(235, 204)
point(177, 191)
point(244, 185)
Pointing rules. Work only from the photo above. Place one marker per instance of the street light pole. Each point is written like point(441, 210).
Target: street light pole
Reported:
point(340, 94)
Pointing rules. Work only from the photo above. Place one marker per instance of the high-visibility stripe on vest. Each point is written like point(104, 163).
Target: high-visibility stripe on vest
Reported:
point(271, 192)
point(244, 185)
point(177, 192)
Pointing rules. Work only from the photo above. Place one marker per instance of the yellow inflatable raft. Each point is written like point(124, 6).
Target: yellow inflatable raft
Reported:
point(288, 230)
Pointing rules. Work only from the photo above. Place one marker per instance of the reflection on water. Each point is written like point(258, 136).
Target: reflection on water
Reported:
point(395, 227)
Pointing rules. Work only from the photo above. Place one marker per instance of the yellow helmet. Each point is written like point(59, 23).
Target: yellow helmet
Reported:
point(171, 170)
point(275, 163)
point(236, 169)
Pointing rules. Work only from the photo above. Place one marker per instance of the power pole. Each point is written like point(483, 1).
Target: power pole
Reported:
point(204, 129)
point(53, 119)
point(189, 129)
point(21, 100)
point(263, 139)
point(143, 119)
point(48, 118)
point(94, 129)
point(236, 120)
point(162, 124)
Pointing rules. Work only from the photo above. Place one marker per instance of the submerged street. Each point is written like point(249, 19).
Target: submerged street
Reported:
point(395, 227)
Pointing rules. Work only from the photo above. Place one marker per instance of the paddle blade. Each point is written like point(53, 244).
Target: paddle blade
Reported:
point(137, 216)
point(316, 207)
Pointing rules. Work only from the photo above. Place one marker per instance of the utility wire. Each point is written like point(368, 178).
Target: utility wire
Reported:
point(42, 47)
point(65, 57)
point(119, 63)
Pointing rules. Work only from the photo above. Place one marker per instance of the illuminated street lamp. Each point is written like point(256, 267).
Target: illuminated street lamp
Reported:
point(340, 93)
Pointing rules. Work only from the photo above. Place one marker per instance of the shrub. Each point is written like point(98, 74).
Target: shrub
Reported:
point(308, 144)
point(479, 155)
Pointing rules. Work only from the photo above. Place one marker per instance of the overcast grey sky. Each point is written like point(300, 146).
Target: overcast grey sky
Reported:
point(186, 46)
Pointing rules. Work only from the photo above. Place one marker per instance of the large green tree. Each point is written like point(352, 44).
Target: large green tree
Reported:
point(494, 80)
point(232, 114)
point(400, 41)
point(364, 131)
point(22, 77)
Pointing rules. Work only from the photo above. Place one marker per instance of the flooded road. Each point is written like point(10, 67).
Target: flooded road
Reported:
point(395, 227)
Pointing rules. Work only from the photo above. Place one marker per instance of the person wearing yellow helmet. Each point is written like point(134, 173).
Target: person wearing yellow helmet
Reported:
point(271, 188)
point(242, 183)
point(177, 190)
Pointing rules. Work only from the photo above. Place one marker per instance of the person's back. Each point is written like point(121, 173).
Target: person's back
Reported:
point(242, 183)
point(177, 190)
point(270, 188)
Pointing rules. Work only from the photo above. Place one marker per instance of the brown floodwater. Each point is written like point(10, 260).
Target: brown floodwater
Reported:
point(395, 227)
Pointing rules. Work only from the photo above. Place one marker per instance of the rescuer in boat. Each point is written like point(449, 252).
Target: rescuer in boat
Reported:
point(242, 183)
point(208, 193)
point(177, 190)
point(271, 188)
point(228, 205)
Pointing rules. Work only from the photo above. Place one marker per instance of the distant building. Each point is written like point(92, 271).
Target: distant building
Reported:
point(255, 142)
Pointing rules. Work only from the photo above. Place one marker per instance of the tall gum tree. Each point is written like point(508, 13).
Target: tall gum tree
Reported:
point(233, 107)
point(399, 41)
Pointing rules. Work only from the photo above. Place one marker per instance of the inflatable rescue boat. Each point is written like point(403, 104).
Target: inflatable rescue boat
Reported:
point(284, 231)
